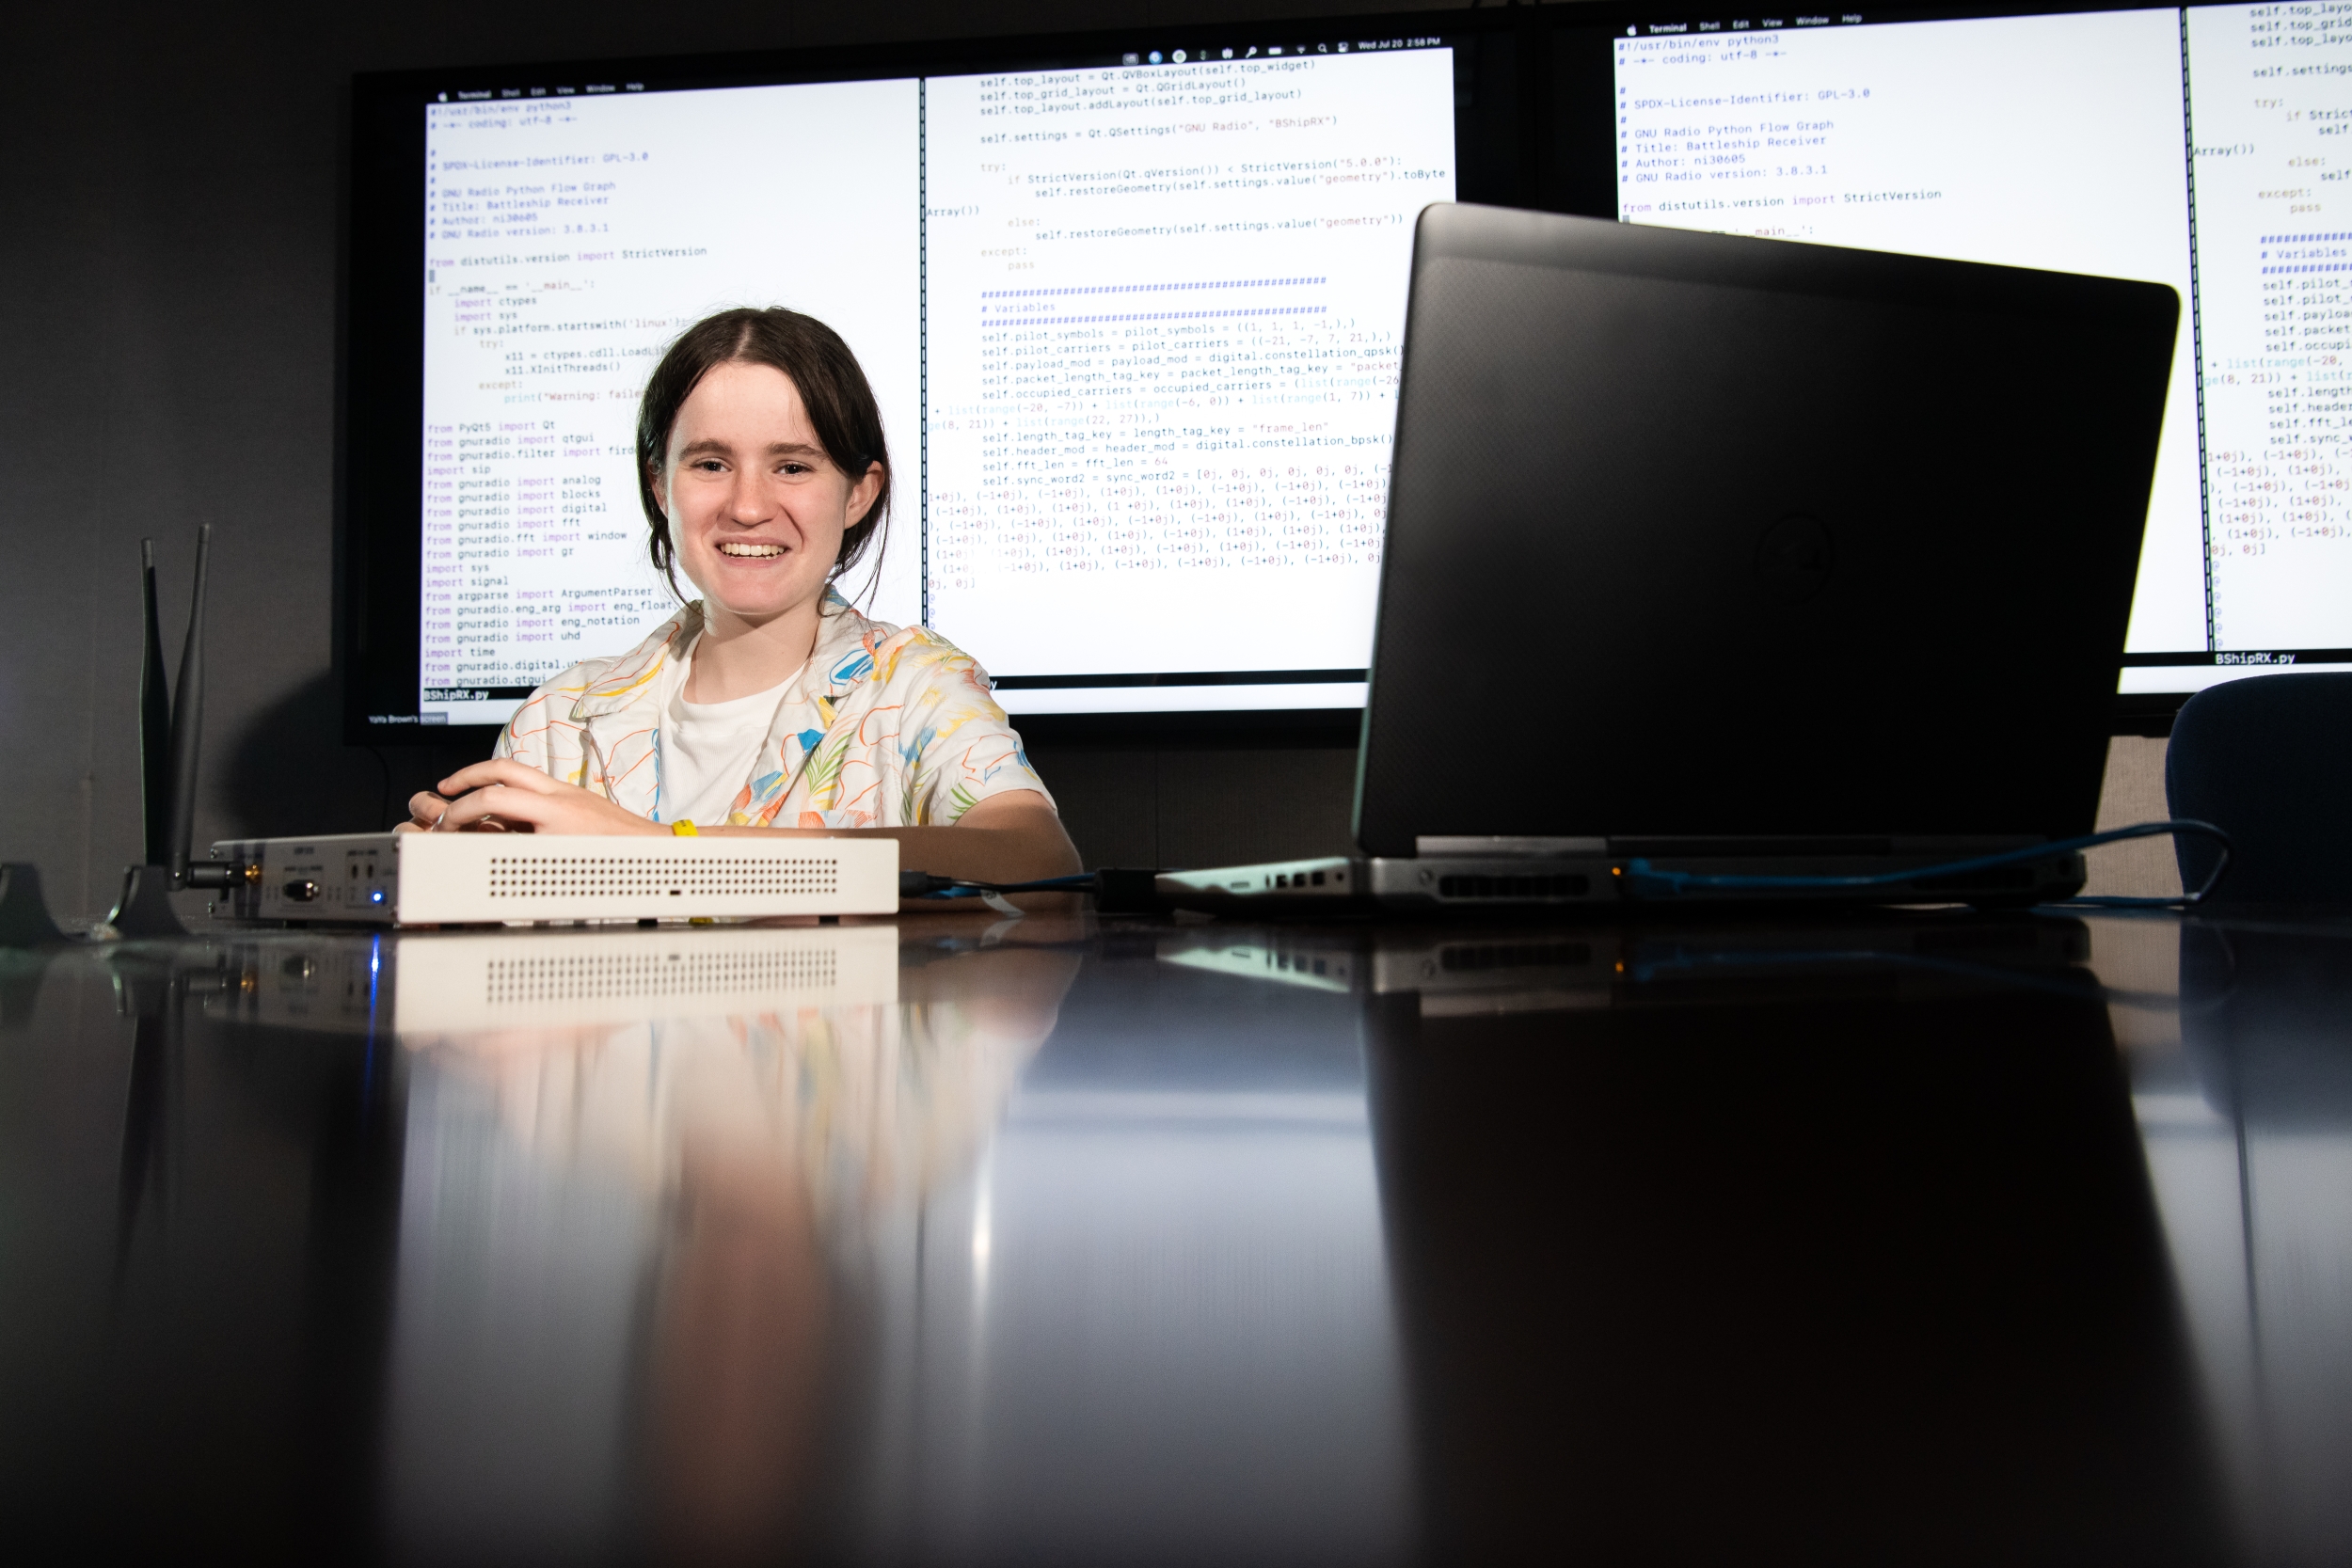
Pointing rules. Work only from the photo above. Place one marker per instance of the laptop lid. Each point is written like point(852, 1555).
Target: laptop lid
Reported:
point(1695, 536)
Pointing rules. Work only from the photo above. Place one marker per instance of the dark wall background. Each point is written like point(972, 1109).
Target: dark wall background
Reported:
point(169, 180)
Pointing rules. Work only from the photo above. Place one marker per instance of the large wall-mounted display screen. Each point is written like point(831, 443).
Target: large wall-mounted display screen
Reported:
point(1134, 325)
point(2204, 148)
point(1133, 309)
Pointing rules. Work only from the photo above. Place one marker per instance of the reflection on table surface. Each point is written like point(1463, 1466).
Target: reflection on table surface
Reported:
point(1932, 1236)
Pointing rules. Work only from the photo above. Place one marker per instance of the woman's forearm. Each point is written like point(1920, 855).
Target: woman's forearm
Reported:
point(1013, 837)
point(1009, 844)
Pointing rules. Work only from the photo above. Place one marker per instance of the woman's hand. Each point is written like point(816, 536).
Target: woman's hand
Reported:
point(507, 796)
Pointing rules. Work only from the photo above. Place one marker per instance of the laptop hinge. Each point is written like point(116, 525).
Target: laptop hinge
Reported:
point(1694, 848)
point(1451, 846)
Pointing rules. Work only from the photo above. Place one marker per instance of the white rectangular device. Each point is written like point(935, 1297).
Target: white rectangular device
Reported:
point(467, 879)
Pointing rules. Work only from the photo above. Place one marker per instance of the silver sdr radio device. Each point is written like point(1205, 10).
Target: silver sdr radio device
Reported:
point(467, 879)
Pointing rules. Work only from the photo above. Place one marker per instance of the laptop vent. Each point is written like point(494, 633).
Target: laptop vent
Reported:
point(634, 877)
point(1514, 955)
point(1557, 886)
point(612, 975)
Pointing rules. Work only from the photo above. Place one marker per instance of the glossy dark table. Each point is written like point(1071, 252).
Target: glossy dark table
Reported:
point(1916, 1238)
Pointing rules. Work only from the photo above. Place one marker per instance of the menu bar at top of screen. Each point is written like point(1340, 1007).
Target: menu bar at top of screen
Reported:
point(1171, 55)
point(1132, 328)
point(1745, 24)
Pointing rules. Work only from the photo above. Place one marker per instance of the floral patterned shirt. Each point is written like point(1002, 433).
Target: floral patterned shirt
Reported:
point(884, 727)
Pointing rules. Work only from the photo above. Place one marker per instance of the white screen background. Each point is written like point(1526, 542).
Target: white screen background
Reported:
point(569, 241)
point(2037, 141)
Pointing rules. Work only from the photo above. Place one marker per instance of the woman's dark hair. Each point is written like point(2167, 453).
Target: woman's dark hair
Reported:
point(833, 388)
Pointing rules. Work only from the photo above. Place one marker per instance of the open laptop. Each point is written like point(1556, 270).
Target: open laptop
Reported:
point(1740, 556)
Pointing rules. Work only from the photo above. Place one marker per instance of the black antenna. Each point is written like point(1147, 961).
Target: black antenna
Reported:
point(170, 734)
point(187, 722)
point(155, 724)
point(24, 913)
point(143, 911)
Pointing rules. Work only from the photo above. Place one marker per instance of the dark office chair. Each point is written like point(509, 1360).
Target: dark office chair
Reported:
point(2270, 761)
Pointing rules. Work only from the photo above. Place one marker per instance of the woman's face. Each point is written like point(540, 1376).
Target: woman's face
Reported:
point(757, 508)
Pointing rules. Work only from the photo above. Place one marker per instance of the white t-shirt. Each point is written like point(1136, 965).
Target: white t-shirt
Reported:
point(706, 750)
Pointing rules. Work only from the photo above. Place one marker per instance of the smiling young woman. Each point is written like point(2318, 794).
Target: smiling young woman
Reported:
point(769, 705)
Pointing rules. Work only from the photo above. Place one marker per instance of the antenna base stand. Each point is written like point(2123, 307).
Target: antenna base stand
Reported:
point(219, 874)
point(146, 908)
point(24, 913)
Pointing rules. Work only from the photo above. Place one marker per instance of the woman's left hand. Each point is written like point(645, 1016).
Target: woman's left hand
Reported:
point(506, 794)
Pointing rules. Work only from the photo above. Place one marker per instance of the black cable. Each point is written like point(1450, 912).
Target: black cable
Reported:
point(922, 884)
point(1643, 882)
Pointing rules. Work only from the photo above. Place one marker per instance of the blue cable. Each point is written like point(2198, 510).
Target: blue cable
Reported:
point(922, 884)
point(1643, 880)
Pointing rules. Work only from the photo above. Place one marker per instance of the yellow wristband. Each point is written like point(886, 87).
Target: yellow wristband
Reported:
point(685, 830)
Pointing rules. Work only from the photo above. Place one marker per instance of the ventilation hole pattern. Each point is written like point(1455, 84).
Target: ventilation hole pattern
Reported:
point(634, 974)
point(1556, 885)
point(643, 876)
